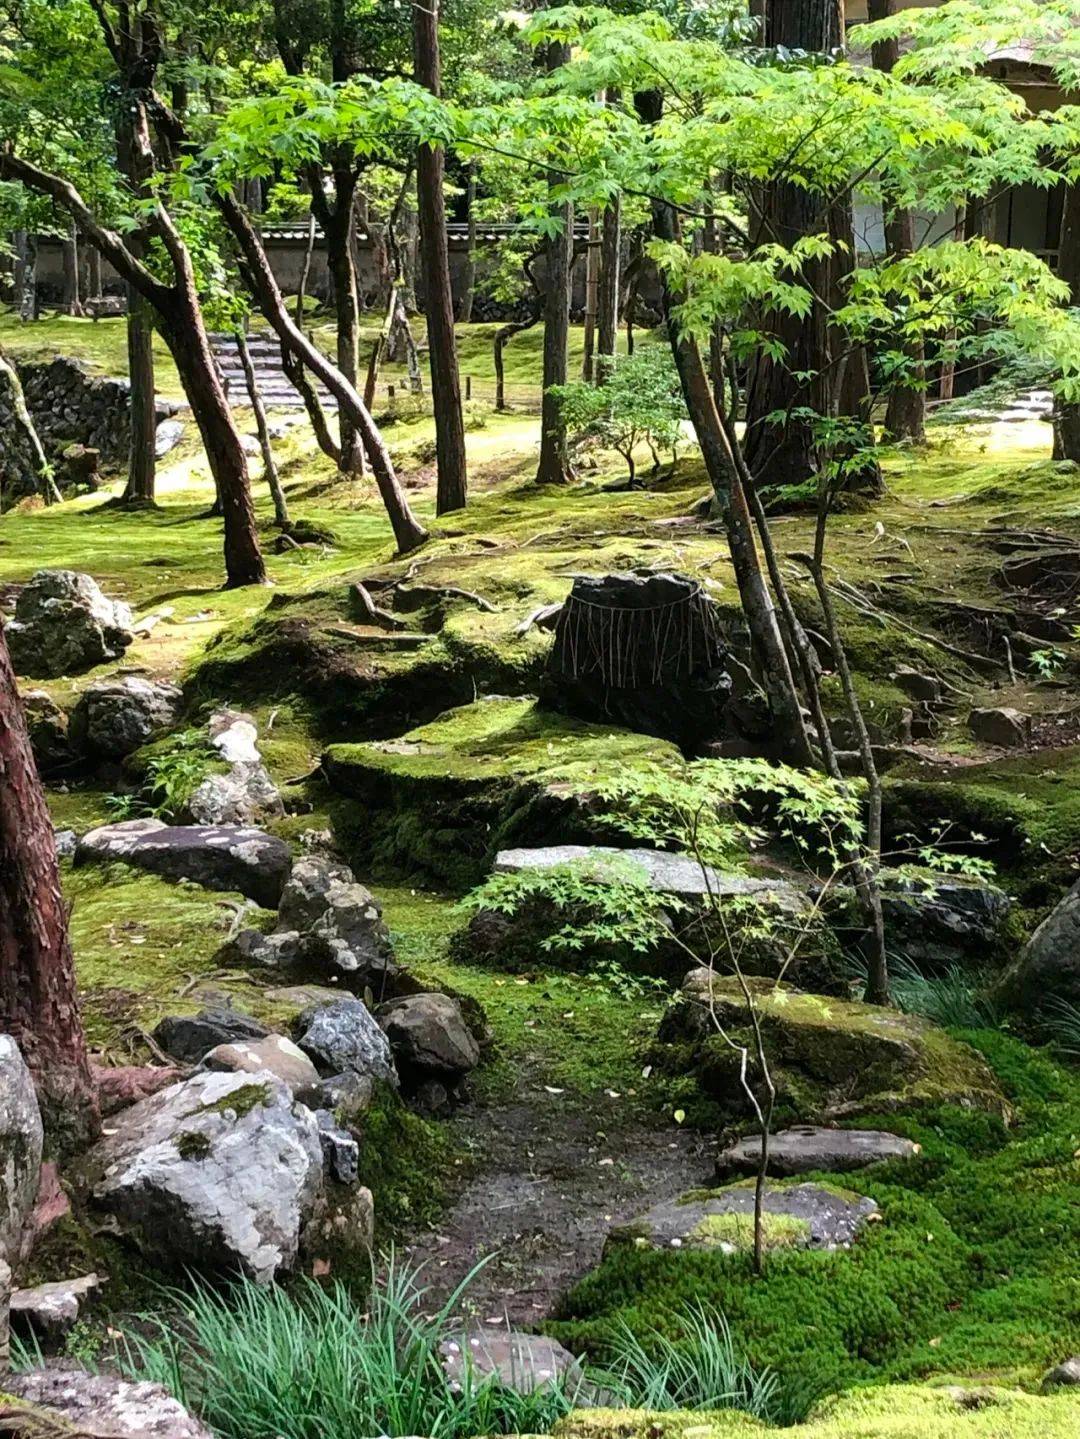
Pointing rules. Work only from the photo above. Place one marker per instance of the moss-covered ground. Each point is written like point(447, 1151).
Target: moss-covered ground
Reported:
point(969, 1271)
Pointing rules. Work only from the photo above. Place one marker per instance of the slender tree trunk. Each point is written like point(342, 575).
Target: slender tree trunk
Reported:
point(554, 467)
point(905, 418)
point(28, 305)
point(305, 272)
point(94, 287)
point(336, 221)
point(142, 460)
point(607, 318)
point(297, 376)
point(592, 298)
point(503, 335)
point(71, 302)
point(438, 295)
point(270, 469)
point(723, 471)
point(185, 334)
point(18, 271)
point(1067, 412)
point(38, 1002)
point(468, 279)
point(408, 532)
point(46, 484)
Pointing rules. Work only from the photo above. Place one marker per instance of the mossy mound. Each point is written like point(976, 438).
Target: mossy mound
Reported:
point(965, 1273)
point(829, 1058)
point(895, 1411)
point(443, 798)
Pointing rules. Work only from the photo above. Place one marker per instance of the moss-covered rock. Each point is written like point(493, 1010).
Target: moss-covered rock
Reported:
point(828, 1057)
point(443, 798)
point(895, 1411)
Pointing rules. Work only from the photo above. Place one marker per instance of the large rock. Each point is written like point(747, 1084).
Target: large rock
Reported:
point(98, 1405)
point(1006, 728)
point(345, 1038)
point(521, 1362)
point(225, 857)
point(1047, 970)
point(245, 791)
point(20, 1148)
point(328, 924)
point(49, 1312)
point(829, 1058)
point(114, 718)
point(798, 1216)
point(931, 919)
point(429, 1037)
point(810, 1147)
point(190, 1037)
point(220, 1171)
point(274, 1055)
point(63, 625)
point(49, 729)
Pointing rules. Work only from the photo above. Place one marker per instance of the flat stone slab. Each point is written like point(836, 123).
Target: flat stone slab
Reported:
point(222, 857)
point(798, 1216)
point(49, 1311)
point(522, 1362)
point(810, 1147)
point(676, 874)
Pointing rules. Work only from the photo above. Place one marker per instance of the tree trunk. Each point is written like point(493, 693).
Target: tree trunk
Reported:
point(47, 485)
point(1067, 412)
point(71, 303)
point(94, 288)
point(28, 299)
point(408, 531)
point(142, 460)
point(554, 467)
point(18, 270)
point(607, 304)
point(305, 271)
point(757, 602)
point(185, 334)
point(438, 295)
point(905, 417)
point(38, 1003)
point(273, 479)
point(592, 298)
point(336, 219)
point(468, 278)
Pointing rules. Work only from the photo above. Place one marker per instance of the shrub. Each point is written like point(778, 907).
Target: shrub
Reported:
point(640, 403)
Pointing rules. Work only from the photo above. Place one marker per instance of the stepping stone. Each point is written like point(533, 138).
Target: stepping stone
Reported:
point(669, 873)
point(799, 1216)
point(809, 1147)
point(223, 857)
point(522, 1362)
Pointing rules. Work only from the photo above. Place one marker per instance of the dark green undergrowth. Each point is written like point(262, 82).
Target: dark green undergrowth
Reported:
point(406, 1161)
point(967, 1272)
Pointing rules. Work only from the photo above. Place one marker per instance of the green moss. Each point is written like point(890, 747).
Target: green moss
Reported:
point(407, 1162)
point(719, 1230)
point(191, 1144)
point(238, 1101)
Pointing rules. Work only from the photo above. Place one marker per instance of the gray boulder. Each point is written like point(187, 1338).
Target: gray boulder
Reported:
point(96, 1404)
point(344, 1038)
point(246, 790)
point(114, 718)
point(48, 1312)
point(49, 730)
point(429, 1037)
point(327, 923)
point(933, 920)
point(799, 1216)
point(189, 1037)
point(1048, 967)
point(809, 1147)
point(348, 1096)
point(341, 1153)
point(1065, 1375)
point(220, 1171)
point(63, 625)
point(522, 1362)
point(20, 1148)
point(224, 857)
point(1006, 728)
point(168, 435)
point(66, 843)
point(274, 1055)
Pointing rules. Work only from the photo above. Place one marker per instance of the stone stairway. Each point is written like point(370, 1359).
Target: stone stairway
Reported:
point(276, 390)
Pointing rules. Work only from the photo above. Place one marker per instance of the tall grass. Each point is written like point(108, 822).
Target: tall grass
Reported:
point(950, 998)
point(268, 1363)
point(1061, 1024)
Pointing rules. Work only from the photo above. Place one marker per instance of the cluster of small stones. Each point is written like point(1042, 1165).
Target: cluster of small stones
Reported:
point(70, 406)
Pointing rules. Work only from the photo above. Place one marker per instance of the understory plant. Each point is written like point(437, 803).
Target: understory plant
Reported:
point(638, 403)
point(172, 775)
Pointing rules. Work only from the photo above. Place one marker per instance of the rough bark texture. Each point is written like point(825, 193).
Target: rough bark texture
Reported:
point(142, 461)
point(592, 293)
point(607, 300)
point(554, 467)
point(71, 302)
point(438, 295)
point(336, 221)
point(1067, 417)
point(905, 417)
point(38, 1002)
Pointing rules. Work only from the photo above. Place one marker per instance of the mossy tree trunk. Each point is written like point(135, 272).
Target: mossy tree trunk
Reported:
point(38, 1002)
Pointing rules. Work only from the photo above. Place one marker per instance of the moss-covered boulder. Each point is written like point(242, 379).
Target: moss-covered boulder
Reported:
point(829, 1057)
point(893, 1411)
point(444, 798)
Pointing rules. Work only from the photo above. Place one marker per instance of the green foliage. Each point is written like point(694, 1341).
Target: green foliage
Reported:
point(950, 998)
point(404, 1160)
point(640, 402)
point(173, 772)
point(1060, 1021)
point(254, 1361)
point(962, 1275)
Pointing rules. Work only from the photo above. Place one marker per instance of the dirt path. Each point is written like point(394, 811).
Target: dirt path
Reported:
point(552, 1175)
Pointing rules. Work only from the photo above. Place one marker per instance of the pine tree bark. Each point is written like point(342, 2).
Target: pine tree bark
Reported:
point(38, 1002)
point(336, 221)
point(71, 302)
point(93, 273)
point(452, 483)
point(554, 467)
